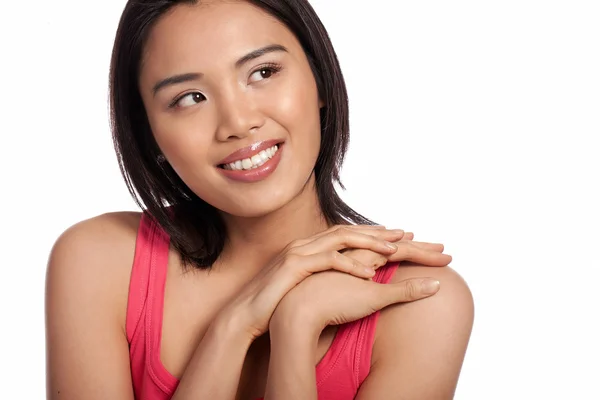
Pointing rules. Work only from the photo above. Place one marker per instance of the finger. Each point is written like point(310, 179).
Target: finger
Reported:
point(376, 226)
point(408, 236)
point(439, 247)
point(377, 230)
point(296, 268)
point(390, 235)
point(334, 260)
point(367, 257)
point(405, 264)
point(377, 260)
point(352, 226)
point(406, 291)
point(408, 251)
point(424, 245)
point(348, 238)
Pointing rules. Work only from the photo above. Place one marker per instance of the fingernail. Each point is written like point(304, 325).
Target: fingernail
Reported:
point(370, 271)
point(430, 286)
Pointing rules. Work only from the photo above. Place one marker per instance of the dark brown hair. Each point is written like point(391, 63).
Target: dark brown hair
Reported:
point(195, 227)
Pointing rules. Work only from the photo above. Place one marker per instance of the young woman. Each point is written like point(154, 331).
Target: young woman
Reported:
point(246, 276)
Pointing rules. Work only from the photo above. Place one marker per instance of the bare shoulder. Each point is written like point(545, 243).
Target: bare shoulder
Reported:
point(453, 286)
point(452, 304)
point(87, 282)
point(105, 229)
point(95, 256)
point(420, 346)
point(96, 251)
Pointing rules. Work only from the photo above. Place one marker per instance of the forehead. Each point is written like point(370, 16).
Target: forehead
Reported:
point(192, 37)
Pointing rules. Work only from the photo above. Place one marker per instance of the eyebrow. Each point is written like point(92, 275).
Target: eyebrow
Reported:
point(191, 76)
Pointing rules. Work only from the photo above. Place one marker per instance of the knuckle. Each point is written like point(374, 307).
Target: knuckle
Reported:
point(354, 263)
point(374, 261)
point(412, 290)
point(293, 244)
point(334, 257)
point(380, 240)
point(344, 235)
point(360, 255)
point(342, 231)
point(290, 259)
point(335, 228)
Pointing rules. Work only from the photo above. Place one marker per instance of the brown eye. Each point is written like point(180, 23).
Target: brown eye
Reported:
point(264, 73)
point(189, 100)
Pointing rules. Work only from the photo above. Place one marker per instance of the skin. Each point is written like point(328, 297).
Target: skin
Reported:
point(419, 346)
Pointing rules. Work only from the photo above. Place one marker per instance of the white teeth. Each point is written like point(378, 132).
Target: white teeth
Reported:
point(264, 156)
point(255, 161)
point(246, 163)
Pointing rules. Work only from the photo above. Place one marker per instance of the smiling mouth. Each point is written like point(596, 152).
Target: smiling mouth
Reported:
point(252, 162)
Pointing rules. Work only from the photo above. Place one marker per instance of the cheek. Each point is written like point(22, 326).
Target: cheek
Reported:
point(184, 140)
point(297, 99)
point(295, 106)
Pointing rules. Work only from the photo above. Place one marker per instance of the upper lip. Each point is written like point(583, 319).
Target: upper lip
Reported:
point(249, 151)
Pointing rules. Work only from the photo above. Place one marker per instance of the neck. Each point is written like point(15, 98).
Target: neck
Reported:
point(257, 240)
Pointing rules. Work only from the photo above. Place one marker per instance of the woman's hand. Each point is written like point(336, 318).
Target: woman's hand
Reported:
point(255, 304)
point(332, 298)
point(409, 251)
point(427, 254)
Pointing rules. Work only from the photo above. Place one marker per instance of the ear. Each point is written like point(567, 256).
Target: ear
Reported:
point(321, 103)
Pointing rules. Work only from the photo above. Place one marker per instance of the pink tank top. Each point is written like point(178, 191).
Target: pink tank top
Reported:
point(339, 374)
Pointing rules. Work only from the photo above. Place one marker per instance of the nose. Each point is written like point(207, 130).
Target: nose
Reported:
point(239, 116)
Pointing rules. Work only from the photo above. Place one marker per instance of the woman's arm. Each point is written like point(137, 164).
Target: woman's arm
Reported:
point(291, 373)
point(331, 298)
point(214, 370)
point(86, 299)
point(87, 286)
point(420, 346)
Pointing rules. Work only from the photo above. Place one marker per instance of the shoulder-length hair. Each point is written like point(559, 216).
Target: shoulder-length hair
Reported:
point(195, 227)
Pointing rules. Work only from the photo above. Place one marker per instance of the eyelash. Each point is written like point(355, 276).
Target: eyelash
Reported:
point(274, 68)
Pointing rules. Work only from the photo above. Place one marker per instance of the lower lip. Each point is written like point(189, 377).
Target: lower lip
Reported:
point(255, 174)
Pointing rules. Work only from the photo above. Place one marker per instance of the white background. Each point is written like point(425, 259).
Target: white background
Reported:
point(474, 123)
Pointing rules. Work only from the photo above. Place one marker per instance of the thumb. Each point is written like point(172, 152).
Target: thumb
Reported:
point(409, 290)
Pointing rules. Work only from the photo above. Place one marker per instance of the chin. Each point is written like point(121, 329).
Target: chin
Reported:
point(257, 207)
point(262, 199)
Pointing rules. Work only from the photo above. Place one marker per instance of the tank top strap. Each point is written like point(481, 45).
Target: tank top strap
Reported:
point(348, 361)
point(366, 329)
point(148, 276)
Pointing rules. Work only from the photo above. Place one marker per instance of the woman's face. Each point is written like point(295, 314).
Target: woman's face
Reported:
point(208, 93)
